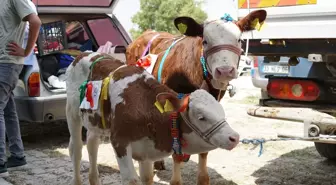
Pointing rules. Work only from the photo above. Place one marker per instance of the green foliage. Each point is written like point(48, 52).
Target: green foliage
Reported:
point(159, 14)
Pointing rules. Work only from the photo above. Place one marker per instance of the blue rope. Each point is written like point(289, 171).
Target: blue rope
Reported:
point(227, 17)
point(205, 71)
point(255, 142)
point(164, 58)
point(261, 141)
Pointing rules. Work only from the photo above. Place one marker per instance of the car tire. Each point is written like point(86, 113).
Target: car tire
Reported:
point(326, 150)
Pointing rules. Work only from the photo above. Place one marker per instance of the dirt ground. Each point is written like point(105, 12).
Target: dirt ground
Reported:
point(282, 162)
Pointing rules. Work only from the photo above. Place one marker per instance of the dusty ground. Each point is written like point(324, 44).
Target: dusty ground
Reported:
point(286, 162)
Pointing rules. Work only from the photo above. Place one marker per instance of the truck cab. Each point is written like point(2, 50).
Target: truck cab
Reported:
point(301, 32)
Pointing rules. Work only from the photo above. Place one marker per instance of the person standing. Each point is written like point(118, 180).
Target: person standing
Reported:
point(13, 17)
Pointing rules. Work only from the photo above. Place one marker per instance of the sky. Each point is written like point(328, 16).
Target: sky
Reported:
point(125, 9)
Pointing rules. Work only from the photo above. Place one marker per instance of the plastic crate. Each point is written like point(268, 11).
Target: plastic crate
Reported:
point(52, 38)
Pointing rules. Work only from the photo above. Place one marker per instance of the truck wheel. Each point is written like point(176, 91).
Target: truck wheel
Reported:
point(326, 150)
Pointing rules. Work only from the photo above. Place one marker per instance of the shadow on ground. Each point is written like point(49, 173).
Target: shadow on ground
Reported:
point(299, 167)
point(51, 167)
point(189, 174)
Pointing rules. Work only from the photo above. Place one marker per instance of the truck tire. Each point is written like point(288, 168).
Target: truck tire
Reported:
point(326, 150)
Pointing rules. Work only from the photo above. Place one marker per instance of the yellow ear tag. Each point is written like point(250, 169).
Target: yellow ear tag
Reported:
point(262, 25)
point(168, 107)
point(159, 106)
point(256, 25)
point(182, 28)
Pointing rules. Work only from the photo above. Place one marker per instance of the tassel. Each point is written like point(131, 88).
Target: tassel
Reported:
point(89, 94)
point(144, 62)
point(186, 158)
point(82, 89)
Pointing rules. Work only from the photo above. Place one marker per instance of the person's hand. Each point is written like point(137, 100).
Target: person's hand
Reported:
point(16, 50)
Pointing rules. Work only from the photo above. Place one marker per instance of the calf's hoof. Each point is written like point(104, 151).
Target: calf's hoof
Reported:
point(203, 180)
point(159, 165)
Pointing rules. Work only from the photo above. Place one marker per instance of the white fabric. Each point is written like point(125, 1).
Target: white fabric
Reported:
point(55, 82)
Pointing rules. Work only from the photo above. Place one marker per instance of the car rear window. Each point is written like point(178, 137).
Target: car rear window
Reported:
point(104, 30)
point(77, 37)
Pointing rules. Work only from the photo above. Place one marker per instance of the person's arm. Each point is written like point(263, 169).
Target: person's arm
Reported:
point(34, 28)
point(26, 13)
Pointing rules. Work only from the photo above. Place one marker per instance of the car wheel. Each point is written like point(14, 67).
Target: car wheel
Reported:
point(326, 150)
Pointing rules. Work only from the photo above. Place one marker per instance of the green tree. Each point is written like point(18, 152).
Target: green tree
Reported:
point(159, 14)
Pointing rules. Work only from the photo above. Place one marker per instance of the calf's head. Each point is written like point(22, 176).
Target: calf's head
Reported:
point(221, 41)
point(205, 116)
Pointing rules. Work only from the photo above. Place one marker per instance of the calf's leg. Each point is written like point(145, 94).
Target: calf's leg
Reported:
point(176, 176)
point(146, 172)
point(203, 176)
point(75, 143)
point(126, 166)
point(93, 141)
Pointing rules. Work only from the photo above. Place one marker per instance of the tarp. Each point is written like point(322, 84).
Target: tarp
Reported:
point(273, 3)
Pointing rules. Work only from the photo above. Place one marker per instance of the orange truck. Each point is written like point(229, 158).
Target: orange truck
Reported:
point(297, 29)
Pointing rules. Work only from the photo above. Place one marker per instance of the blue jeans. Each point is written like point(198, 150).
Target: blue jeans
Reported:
point(9, 122)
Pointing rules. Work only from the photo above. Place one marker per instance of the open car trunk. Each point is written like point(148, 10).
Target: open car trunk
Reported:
point(76, 6)
point(63, 37)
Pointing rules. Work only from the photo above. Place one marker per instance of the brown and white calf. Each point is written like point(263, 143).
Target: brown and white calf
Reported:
point(137, 129)
point(220, 44)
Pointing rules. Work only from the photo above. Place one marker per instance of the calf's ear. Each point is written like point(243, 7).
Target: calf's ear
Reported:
point(162, 97)
point(251, 21)
point(188, 26)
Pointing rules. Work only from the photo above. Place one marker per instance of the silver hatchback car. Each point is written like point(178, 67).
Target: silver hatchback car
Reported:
point(69, 27)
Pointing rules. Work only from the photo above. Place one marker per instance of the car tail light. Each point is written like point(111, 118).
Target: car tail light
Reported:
point(303, 90)
point(34, 84)
point(255, 62)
